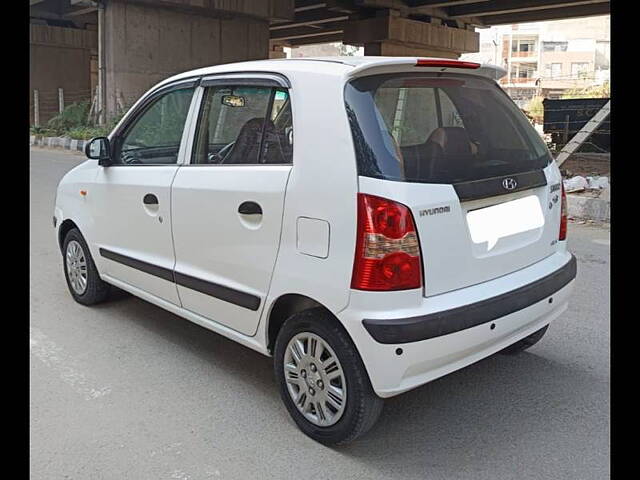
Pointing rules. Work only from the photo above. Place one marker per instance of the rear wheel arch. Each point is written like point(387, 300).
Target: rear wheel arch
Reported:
point(284, 307)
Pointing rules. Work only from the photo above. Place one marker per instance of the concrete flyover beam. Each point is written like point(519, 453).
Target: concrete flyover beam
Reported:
point(590, 10)
point(498, 7)
point(310, 18)
point(317, 20)
point(325, 36)
point(394, 35)
point(263, 9)
point(314, 22)
point(440, 3)
point(344, 6)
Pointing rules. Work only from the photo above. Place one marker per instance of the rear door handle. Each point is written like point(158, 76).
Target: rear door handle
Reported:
point(150, 199)
point(250, 208)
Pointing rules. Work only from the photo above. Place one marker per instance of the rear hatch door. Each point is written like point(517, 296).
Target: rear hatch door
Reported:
point(479, 180)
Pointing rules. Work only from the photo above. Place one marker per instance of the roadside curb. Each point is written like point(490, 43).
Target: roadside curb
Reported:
point(588, 208)
point(64, 143)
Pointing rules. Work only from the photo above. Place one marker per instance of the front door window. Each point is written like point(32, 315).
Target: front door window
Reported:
point(154, 136)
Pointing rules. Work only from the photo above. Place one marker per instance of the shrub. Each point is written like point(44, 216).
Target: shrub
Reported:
point(73, 123)
point(40, 130)
point(86, 133)
point(73, 116)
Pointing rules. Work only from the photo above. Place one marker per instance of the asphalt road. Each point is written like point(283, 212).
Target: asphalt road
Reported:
point(126, 390)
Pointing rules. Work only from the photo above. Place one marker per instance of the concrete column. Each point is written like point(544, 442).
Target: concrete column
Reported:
point(145, 44)
point(59, 58)
point(397, 36)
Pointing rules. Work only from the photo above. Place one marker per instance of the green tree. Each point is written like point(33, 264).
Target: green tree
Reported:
point(535, 109)
point(594, 91)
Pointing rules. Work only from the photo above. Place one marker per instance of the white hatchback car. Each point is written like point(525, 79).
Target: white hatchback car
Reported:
point(372, 223)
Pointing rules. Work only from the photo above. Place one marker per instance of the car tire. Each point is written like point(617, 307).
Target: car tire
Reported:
point(362, 406)
point(525, 343)
point(84, 282)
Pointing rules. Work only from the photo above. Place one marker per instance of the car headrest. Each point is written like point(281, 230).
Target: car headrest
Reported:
point(245, 149)
point(452, 140)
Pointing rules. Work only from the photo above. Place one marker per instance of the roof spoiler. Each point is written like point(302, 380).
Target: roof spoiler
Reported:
point(388, 64)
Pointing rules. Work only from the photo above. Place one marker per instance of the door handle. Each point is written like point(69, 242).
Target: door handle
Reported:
point(150, 199)
point(250, 208)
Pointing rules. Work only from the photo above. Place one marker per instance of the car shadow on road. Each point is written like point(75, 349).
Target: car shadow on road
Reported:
point(222, 353)
point(498, 402)
point(489, 410)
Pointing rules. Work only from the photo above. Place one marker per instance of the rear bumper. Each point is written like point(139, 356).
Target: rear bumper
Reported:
point(446, 332)
point(424, 327)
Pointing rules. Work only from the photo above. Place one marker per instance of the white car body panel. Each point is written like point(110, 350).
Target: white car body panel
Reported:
point(202, 234)
point(126, 226)
point(427, 360)
point(215, 243)
point(451, 260)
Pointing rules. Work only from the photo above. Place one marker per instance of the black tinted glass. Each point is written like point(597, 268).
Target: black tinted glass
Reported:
point(244, 125)
point(439, 128)
point(154, 137)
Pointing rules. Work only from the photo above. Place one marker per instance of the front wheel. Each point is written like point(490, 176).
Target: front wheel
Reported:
point(322, 379)
point(84, 282)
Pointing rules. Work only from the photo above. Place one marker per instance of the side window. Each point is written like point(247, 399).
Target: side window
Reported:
point(278, 142)
point(244, 125)
point(154, 137)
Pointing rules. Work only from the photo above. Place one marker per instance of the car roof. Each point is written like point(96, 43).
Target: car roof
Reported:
point(345, 66)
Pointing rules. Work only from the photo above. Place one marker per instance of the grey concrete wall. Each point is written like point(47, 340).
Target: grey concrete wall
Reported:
point(145, 45)
point(58, 58)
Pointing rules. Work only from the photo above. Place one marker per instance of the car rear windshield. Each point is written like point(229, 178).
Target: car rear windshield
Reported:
point(439, 128)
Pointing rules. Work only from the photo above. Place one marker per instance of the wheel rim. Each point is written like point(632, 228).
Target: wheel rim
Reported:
point(76, 267)
point(315, 379)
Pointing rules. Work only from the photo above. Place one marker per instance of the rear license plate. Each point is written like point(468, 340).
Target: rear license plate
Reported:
point(490, 224)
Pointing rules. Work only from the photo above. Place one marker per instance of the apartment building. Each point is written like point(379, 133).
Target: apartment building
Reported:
point(548, 58)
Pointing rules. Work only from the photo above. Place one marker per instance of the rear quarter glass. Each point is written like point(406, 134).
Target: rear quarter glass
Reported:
point(439, 128)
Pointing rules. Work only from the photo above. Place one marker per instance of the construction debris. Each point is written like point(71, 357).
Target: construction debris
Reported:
point(575, 184)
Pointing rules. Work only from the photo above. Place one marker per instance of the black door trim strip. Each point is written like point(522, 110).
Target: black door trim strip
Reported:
point(150, 268)
point(415, 329)
point(489, 187)
point(231, 295)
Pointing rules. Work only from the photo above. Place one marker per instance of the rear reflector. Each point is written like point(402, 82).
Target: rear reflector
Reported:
point(387, 251)
point(425, 62)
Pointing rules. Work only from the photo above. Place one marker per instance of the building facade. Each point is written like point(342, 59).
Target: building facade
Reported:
point(548, 58)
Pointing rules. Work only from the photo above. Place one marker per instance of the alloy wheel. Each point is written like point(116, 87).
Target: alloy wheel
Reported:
point(315, 379)
point(76, 267)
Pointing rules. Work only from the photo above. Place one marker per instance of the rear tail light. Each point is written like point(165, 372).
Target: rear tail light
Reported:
point(563, 216)
point(387, 249)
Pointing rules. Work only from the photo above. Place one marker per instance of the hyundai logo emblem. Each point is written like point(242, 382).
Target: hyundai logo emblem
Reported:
point(509, 183)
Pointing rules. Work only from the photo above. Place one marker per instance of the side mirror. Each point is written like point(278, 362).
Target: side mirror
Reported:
point(98, 149)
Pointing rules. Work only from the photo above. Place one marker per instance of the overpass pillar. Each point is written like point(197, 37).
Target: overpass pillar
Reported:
point(393, 35)
point(146, 42)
